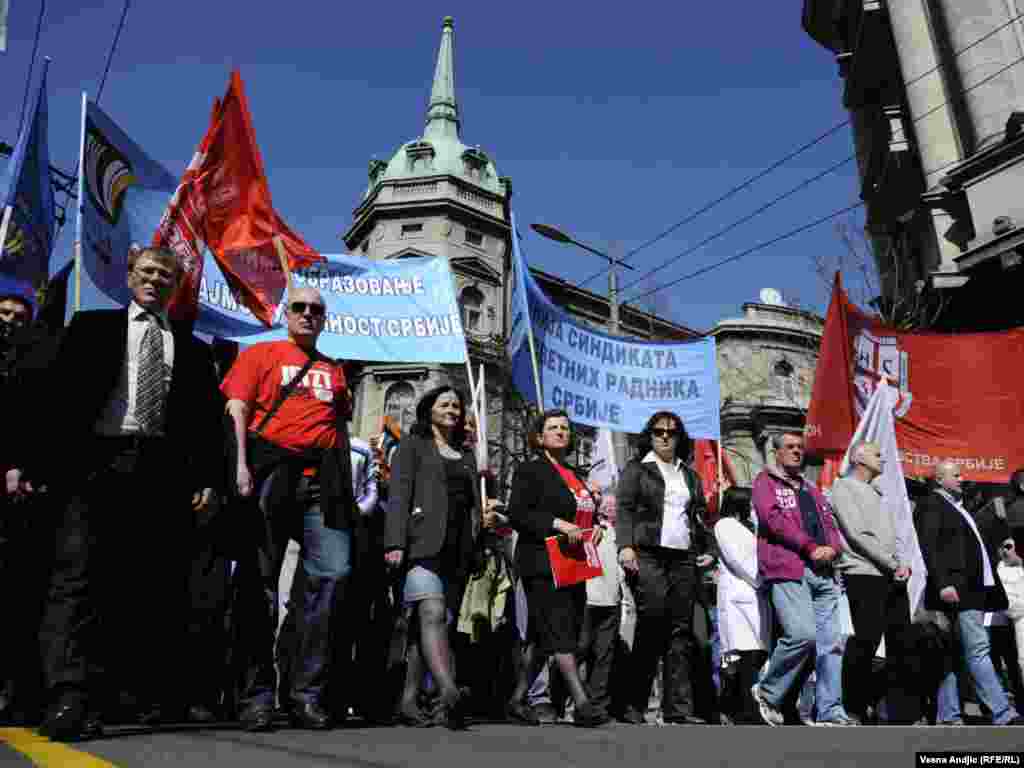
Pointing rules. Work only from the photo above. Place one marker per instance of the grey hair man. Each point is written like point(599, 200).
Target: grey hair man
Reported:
point(876, 576)
point(964, 584)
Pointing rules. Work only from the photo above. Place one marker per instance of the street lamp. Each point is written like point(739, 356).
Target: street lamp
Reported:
point(614, 262)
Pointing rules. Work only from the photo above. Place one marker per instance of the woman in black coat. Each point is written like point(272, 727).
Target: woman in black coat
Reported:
point(548, 499)
point(433, 517)
point(663, 543)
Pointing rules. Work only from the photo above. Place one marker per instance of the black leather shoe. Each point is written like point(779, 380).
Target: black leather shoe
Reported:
point(66, 720)
point(257, 719)
point(522, 713)
point(455, 708)
point(197, 713)
point(632, 716)
point(309, 715)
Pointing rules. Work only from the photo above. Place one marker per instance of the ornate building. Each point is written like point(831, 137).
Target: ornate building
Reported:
point(766, 362)
point(935, 91)
point(438, 196)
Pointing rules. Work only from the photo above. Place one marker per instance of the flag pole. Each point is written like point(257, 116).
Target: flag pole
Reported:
point(282, 256)
point(721, 479)
point(4, 224)
point(77, 253)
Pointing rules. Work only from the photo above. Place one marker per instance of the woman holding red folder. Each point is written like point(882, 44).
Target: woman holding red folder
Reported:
point(548, 499)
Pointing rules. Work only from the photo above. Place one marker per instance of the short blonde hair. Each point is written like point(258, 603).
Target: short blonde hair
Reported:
point(163, 255)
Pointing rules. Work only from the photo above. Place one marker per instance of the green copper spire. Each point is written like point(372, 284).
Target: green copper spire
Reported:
point(443, 112)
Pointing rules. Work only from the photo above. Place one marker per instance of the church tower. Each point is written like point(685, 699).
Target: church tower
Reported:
point(436, 196)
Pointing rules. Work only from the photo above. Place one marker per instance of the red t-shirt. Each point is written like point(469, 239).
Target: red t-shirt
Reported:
point(584, 500)
point(307, 418)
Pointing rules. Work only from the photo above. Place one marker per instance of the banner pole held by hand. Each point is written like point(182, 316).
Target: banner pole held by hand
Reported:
point(282, 254)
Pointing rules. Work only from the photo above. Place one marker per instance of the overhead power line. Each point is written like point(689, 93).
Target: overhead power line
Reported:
point(800, 150)
point(916, 120)
point(113, 47)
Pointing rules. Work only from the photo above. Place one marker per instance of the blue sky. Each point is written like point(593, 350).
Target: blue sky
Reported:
point(613, 123)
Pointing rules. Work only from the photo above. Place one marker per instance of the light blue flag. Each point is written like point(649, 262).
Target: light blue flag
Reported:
point(619, 383)
point(395, 310)
point(518, 349)
point(123, 193)
point(27, 206)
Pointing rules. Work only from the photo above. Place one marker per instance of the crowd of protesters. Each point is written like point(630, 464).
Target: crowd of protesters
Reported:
point(189, 538)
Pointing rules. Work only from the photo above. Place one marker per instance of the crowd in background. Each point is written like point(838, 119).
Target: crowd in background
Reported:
point(200, 539)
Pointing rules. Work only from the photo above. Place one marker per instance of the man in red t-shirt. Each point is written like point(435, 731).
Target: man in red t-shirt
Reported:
point(293, 461)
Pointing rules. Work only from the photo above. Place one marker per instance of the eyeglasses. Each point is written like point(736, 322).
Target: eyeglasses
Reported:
point(1007, 546)
point(300, 307)
point(665, 432)
point(154, 273)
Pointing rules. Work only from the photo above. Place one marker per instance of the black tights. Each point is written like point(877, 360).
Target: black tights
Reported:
point(433, 649)
point(533, 661)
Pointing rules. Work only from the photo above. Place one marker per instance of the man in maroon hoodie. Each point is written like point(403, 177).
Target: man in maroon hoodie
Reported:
point(797, 545)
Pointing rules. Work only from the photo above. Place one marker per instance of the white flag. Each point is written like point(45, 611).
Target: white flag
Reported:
point(878, 425)
point(603, 470)
point(3, 26)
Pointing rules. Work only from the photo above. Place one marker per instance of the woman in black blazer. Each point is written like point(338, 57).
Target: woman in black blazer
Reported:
point(433, 517)
point(549, 499)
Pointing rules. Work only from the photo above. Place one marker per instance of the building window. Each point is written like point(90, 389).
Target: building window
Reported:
point(471, 303)
point(365, 246)
point(400, 405)
point(412, 230)
point(784, 375)
point(474, 238)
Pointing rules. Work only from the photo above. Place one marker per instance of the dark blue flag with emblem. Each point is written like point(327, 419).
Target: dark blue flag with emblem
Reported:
point(27, 207)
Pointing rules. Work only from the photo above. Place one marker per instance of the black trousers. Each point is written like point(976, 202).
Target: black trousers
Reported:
point(879, 606)
point(737, 700)
point(598, 642)
point(665, 591)
point(114, 615)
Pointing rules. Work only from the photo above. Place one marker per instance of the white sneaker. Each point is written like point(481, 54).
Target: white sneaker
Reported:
point(769, 714)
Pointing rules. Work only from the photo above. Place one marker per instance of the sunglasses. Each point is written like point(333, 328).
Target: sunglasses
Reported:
point(300, 307)
point(1007, 546)
point(664, 432)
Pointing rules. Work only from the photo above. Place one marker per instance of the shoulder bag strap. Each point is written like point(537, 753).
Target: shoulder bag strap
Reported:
point(284, 393)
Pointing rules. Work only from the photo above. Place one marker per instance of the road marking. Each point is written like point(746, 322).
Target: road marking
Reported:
point(49, 754)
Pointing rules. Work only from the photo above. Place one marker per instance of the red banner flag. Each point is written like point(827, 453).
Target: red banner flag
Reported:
point(223, 203)
point(705, 462)
point(959, 393)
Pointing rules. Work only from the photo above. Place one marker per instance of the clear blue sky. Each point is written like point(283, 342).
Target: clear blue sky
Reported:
point(614, 122)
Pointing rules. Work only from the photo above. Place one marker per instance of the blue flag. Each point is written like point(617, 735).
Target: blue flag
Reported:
point(27, 206)
point(520, 357)
point(611, 381)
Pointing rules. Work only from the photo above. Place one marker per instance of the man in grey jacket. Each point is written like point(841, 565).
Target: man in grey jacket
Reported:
point(875, 573)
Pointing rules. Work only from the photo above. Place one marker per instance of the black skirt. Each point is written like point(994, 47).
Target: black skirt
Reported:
point(555, 615)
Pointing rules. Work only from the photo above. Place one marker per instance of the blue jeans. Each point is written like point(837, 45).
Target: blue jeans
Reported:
point(974, 642)
point(325, 561)
point(808, 614)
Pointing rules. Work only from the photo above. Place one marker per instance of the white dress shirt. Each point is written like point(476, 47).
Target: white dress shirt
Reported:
point(675, 527)
point(118, 416)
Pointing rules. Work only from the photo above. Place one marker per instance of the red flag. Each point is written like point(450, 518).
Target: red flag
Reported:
point(705, 462)
point(223, 203)
point(958, 392)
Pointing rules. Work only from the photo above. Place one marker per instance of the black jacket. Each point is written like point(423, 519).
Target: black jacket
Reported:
point(81, 381)
point(953, 558)
point(640, 507)
point(539, 495)
point(417, 511)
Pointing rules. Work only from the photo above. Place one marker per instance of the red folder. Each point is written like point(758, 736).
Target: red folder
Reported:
point(573, 563)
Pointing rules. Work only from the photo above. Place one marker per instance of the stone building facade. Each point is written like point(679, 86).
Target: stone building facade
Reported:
point(935, 90)
point(766, 362)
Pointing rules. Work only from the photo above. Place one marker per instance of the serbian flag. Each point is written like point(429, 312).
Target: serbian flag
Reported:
point(223, 203)
point(705, 461)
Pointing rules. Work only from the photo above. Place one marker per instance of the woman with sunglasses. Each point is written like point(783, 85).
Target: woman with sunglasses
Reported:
point(433, 518)
point(549, 499)
point(662, 541)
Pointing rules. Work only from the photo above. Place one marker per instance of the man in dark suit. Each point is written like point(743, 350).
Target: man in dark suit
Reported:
point(129, 437)
point(963, 583)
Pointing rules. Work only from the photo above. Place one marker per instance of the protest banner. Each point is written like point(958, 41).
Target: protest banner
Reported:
point(603, 380)
point(27, 210)
point(958, 393)
point(394, 310)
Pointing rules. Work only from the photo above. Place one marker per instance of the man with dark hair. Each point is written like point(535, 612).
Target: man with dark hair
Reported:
point(133, 400)
point(963, 583)
point(289, 406)
point(797, 544)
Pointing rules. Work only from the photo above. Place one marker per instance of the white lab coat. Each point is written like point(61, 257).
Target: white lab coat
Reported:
point(744, 614)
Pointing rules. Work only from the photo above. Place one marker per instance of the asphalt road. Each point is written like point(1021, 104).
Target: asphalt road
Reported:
point(511, 746)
